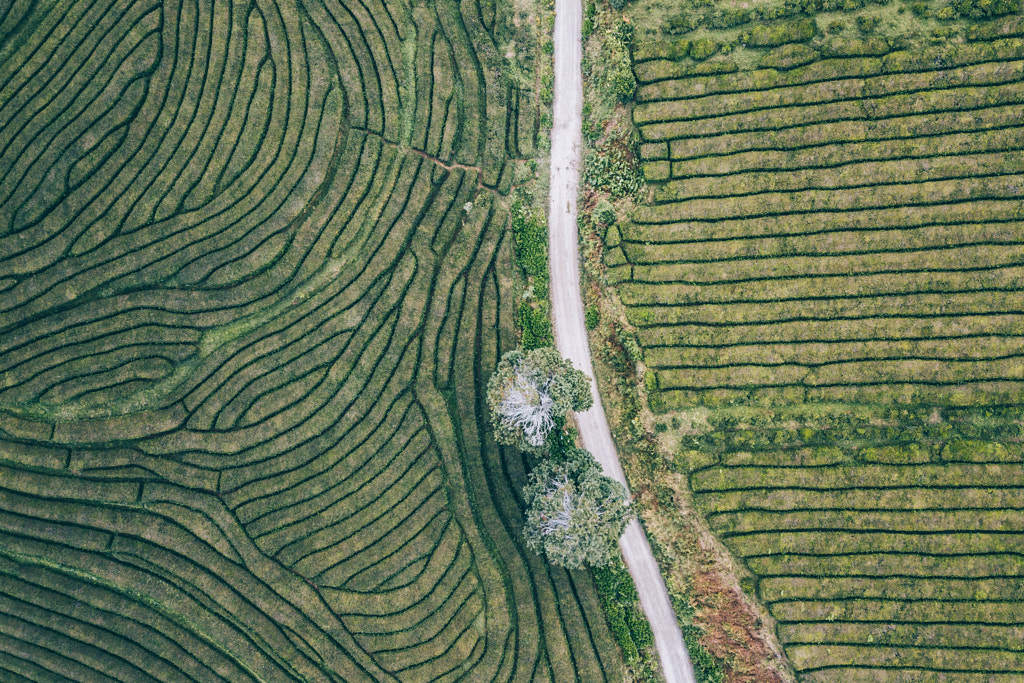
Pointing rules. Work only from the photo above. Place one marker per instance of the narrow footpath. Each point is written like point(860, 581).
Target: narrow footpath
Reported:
point(571, 333)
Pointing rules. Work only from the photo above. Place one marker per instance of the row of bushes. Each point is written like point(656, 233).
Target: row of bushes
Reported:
point(530, 234)
point(725, 18)
point(662, 79)
point(622, 606)
point(721, 18)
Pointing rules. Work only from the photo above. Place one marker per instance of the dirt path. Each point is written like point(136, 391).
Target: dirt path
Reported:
point(571, 334)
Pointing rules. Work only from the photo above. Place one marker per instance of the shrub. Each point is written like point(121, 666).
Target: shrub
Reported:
point(591, 317)
point(613, 168)
point(702, 48)
point(919, 9)
point(535, 326)
point(980, 9)
point(618, 73)
point(680, 23)
point(604, 212)
point(705, 665)
point(547, 88)
point(728, 18)
point(531, 240)
point(779, 34)
point(624, 84)
point(619, 597)
point(867, 23)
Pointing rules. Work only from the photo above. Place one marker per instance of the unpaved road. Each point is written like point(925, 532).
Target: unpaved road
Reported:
point(571, 334)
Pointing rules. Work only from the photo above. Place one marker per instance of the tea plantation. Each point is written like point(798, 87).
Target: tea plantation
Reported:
point(827, 283)
point(254, 273)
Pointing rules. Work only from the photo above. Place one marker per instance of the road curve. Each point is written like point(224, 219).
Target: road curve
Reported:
point(571, 333)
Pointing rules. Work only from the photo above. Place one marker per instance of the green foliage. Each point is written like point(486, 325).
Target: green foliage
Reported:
point(981, 9)
point(614, 72)
point(867, 23)
point(561, 446)
point(604, 212)
point(590, 12)
point(535, 326)
point(575, 515)
point(728, 18)
point(623, 84)
point(634, 352)
point(547, 87)
point(529, 390)
point(677, 24)
point(614, 168)
point(919, 9)
point(531, 240)
point(651, 381)
point(591, 317)
point(773, 35)
point(702, 48)
point(706, 667)
point(622, 607)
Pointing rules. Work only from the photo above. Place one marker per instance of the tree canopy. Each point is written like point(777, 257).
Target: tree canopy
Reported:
point(575, 514)
point(529, 390)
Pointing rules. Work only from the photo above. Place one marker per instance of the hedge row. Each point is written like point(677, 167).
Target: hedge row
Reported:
point(857, 129)
point(936, 59)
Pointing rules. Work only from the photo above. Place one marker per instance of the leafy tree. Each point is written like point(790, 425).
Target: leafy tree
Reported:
point(529, 390)
point(575, 514)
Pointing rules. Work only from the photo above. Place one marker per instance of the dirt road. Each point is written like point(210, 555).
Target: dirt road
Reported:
point(571, 333)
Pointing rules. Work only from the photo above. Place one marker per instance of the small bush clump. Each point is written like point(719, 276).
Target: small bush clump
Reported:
point(613, 168)
point(867, 23)
point(702, 48)
point(531, 240)
point(981, 9)
point(536, 327)
point(622, 606)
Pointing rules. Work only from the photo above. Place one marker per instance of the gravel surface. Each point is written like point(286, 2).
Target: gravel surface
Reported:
point(571, 333)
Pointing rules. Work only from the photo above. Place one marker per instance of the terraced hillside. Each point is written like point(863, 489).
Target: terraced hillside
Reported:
point(839, 231)
point(828, 281)
point(254, 274)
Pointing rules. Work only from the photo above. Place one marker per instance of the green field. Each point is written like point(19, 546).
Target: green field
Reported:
point(826, 281)
point(255, 272)
point(845, 231)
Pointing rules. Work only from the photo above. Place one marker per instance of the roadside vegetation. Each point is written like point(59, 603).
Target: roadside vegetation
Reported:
point(816, 296)
point(726, 638)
